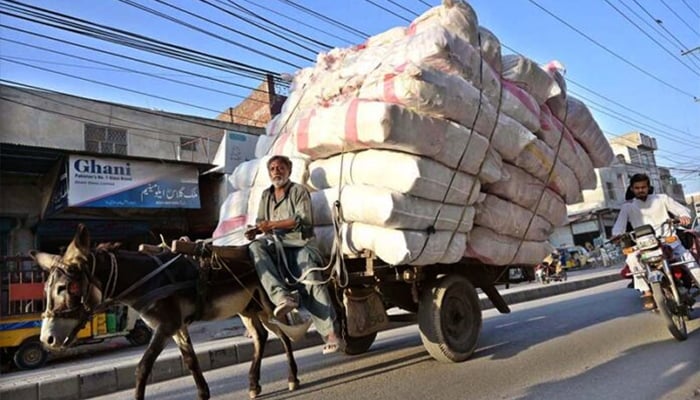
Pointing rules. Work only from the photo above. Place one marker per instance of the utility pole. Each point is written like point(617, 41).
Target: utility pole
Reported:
point(690, 51)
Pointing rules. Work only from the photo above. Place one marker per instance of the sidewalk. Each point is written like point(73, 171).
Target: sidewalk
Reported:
point(219, 344)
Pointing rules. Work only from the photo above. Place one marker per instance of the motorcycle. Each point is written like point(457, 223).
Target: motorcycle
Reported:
point(546, 273)
point(670, 282)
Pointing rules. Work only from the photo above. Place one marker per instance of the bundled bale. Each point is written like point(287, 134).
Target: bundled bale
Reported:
point(494, 249)
point(396, 246)
point(524, 189)
point(586, 130)
point(409, 174)
point(528, 75)
point(390, 209)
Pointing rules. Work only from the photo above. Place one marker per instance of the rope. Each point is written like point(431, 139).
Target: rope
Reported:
point(431, 229)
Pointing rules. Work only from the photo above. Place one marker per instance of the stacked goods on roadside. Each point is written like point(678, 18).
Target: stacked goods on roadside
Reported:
point(436, 145)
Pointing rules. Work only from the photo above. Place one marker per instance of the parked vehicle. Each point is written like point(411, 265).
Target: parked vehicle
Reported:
point(669, 280)
point(21, 304)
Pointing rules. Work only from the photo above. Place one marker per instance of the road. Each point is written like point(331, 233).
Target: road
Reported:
point(591, 344)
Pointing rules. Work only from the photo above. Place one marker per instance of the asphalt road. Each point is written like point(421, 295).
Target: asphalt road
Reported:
point(591, 344)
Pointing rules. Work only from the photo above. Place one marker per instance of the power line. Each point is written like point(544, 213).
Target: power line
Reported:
point(679, 17)
point(329, 20)
point(388, 10)
point(614, 54)
point(661, 24)
point(128, 70)
point(652, 39)
point(112, 86)
point(204, 31)
point(325, 32)
point(124, 38)
point(275, 32)
point(226, 82)
point(691, 8)
point(408, 10)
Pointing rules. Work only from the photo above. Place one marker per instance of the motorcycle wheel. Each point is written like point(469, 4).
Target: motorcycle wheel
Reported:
point(674, 322)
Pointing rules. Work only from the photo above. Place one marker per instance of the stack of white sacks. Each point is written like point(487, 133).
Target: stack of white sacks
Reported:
point(438, 146)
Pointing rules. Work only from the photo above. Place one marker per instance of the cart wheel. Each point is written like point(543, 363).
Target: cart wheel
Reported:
point(140, 335)
point(359, 345)
point(449, 318)
point(30, 354)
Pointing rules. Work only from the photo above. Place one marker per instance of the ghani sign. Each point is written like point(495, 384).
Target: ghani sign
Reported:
point(119, 183)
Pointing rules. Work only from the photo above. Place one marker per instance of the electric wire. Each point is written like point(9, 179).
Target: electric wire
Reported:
point(208, 33)
point(679, 17)
point(652, 39)
point(611, 52)
point(329, 20)
point(226, 82)
point(130, 39)
point(388, 10)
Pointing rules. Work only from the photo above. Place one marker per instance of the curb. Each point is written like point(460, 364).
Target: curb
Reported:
point(170, 366)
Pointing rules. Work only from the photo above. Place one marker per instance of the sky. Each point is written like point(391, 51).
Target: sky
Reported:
point(622, 57)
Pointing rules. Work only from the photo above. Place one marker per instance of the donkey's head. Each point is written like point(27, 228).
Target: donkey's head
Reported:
point(71, 293)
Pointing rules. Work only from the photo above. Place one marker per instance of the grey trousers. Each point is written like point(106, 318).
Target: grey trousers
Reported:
point(314, 297)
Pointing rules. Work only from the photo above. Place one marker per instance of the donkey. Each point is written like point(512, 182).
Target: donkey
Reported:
point(163, 289)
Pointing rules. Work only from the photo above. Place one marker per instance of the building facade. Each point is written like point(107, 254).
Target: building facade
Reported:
point(129, 174)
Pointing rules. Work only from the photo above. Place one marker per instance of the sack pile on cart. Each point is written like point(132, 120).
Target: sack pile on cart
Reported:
point(437, 146)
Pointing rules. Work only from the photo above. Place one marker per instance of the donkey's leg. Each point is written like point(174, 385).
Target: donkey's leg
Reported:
point(143, 370)
point(259, 336)
point(184, 342)
point(292, 379)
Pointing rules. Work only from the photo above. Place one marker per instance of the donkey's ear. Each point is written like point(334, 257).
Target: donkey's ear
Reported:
point(82, 238)
point(79, 248)
point(45, 260)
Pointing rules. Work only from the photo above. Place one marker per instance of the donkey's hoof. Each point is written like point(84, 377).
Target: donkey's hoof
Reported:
point(293, 385)
point(254, 392)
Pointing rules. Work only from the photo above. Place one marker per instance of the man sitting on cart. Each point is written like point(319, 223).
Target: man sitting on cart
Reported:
point(286, 256)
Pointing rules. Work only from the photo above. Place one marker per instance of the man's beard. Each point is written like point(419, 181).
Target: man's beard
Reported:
point(279, 182)
point(642, 198)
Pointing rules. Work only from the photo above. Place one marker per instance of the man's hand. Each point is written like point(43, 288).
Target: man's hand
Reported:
point(252, 232)
point(684, 220)
point(266, 226)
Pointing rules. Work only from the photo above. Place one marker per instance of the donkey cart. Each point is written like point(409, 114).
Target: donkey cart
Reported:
point(442, 296)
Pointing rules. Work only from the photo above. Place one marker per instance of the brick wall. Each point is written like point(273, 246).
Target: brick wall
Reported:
point(253, 111)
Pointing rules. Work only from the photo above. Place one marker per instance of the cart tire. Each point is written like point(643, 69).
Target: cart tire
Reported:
point(449, 318)
point(140, 335)
point(30, 355)
point(359, 345)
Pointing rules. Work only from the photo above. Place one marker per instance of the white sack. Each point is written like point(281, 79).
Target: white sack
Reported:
point(524, 189)
point(233, 215)
point(494, 249)
point(520, 105)
point(381, 207)
point(538, 159)
point(570, 151)
point(396, 247)
point(586, 130)
point(508, 218)
point(400, 172)
point(490, 49)
point(360, 125)
point(528, 75)
point(455, 15)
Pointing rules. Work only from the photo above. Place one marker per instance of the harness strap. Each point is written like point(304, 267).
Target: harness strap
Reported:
point(160, 293)
point(138, 283)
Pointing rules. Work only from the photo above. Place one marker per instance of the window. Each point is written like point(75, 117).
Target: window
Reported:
point(610, 191)
point(105, 139)
point(188, 143)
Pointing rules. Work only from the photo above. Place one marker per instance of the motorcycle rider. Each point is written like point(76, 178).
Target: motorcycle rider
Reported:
point(652, 209)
